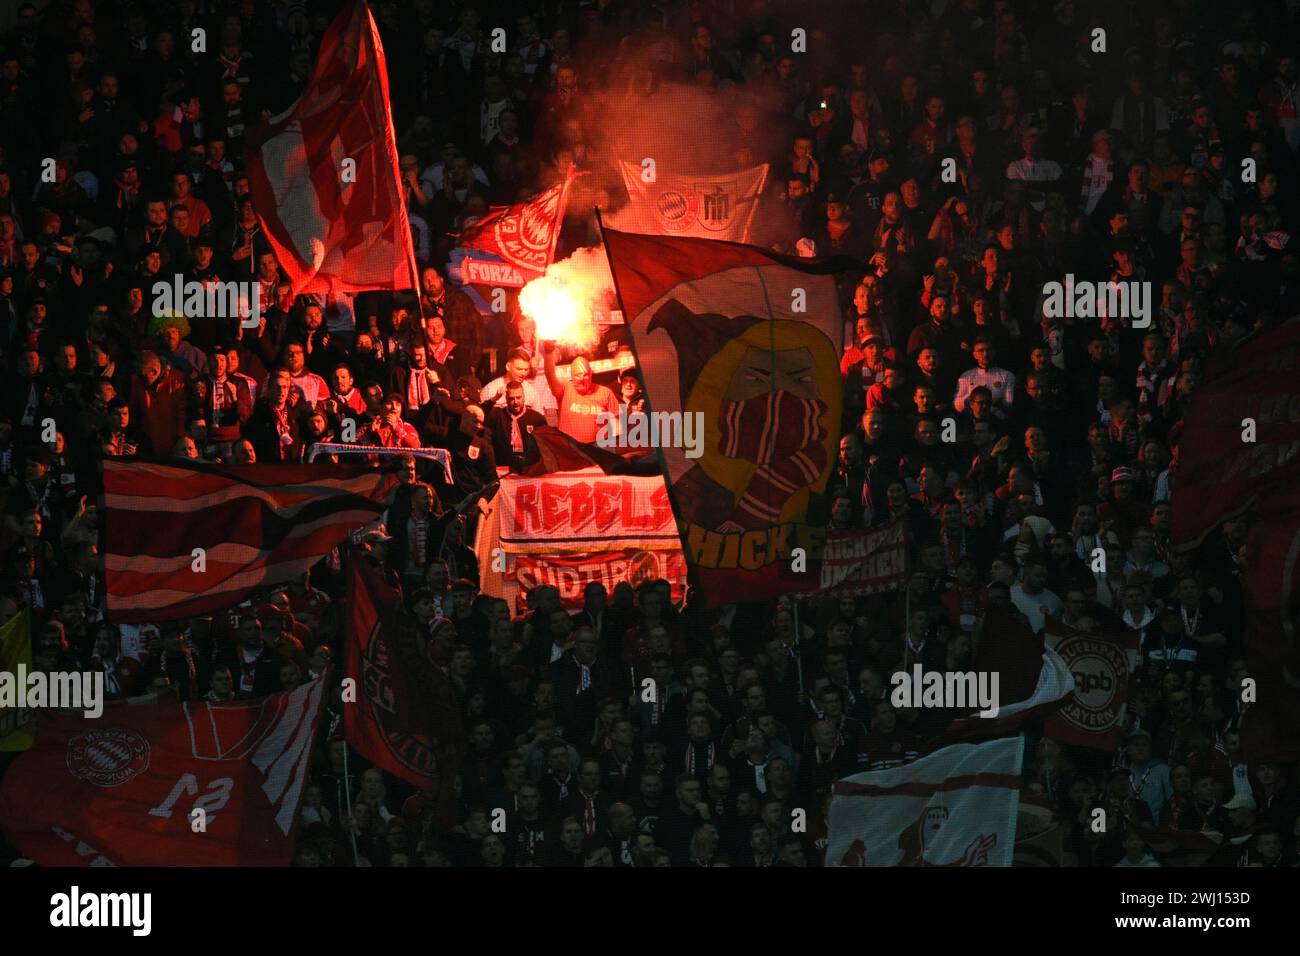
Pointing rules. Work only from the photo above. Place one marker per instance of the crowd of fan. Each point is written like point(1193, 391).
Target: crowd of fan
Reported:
point(965, 153)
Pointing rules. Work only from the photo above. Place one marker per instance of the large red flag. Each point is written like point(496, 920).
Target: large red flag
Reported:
point(324, 175)
point(745, 343)
point(122, 790)
point(406, 719)
point(1219, 474)
point(195, 538)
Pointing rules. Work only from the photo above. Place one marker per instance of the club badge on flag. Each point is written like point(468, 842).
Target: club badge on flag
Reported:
point(743, 341)
point(1102, 665)
point(121, 790)
point(324, 174)
point(706, 207)
point(954, 807)
point(512, 245)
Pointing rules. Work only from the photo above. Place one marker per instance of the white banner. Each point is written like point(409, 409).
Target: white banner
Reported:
point(706, 207)
point(954, 807)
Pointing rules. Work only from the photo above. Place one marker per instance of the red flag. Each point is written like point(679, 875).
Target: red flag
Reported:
point(741, 344)
point(255, 526)
point(1219, 474)
point(120, 790)
point(1033, 680)
point(1102, 665)
point(406, 719)
point(324, 176)
point(516, 242)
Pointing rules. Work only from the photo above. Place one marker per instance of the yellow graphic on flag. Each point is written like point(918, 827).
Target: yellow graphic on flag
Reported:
point(15, 649)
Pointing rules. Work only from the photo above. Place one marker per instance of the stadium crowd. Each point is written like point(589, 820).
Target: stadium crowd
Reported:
point(965, 153)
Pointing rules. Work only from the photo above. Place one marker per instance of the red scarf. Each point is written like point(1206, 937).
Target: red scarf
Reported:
point(783, 435)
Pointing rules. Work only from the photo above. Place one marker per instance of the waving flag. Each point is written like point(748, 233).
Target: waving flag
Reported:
point(743, 341)
point(324, 174)
point(513, 245)
point(122, 790)
point(1219, 475)
point(252, 526)
point(1102, 666)
point(406, 719)
point(706, 207)
point(955, 807)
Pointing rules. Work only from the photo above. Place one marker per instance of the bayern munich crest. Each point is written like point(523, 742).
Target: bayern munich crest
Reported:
point(108, 758)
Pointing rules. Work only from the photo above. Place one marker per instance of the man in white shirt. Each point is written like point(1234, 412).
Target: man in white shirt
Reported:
point(537, 395)
point(1000, 383)
point(1031, 597)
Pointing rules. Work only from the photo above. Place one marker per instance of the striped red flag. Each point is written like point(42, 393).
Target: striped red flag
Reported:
point(257, 526)
point(324, 175)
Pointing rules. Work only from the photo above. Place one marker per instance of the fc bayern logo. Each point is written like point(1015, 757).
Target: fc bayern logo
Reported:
point(108, 758)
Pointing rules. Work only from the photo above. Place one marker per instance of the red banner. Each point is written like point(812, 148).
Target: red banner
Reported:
point(194, 784)
point(1102, 665)
point(1220, 474)
point(406, 719)
point(570, 573)
point(583, 512)
point(856, 563)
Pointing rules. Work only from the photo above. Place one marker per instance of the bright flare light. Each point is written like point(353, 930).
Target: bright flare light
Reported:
point(564, 302)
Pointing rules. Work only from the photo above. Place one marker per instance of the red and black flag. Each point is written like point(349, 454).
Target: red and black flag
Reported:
point(406, 719)
point(191, 539)
point(743, 342)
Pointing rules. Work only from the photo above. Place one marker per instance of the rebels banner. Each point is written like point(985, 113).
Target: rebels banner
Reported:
point(585, 512)
point(706, 207)
point(955, 807)
point(744, 341)
point(571, 573)
point(324, 174)
point(1102, 664)
point(1219, 474)
point(130, 788)
point(406, 719)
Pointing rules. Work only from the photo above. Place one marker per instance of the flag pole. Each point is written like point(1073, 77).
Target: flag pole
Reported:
point(347, 797)
point(798, 644)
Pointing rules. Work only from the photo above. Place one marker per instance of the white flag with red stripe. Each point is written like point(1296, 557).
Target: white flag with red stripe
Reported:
point(190, 539)
point(324, 174)
point(954, 807)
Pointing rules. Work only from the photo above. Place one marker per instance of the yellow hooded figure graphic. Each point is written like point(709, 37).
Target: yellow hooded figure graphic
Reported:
point(770, 395)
